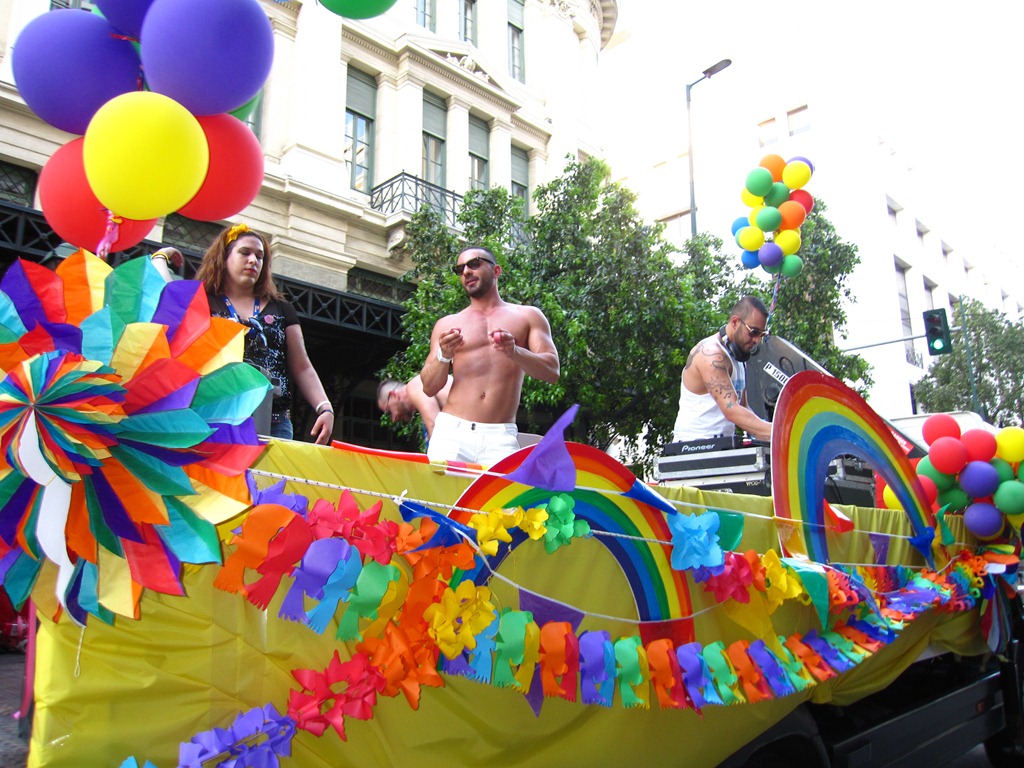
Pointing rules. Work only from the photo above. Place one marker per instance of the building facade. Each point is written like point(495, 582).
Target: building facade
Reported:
point(361, 123)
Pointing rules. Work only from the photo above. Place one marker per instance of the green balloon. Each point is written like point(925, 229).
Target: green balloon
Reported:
point(943, 482)
point(1003, 468)
point(1009, 497)
point(792, 265)
point(777, 195)
point(357, 9)
point(245, 111)
point(956, 498)
point(759, 182)
point(774, 269)
point(768, 219)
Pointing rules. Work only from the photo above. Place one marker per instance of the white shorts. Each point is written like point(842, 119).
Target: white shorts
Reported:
point(456, 439)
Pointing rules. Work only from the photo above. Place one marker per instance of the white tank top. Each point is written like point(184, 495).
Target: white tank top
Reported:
point(699, 415)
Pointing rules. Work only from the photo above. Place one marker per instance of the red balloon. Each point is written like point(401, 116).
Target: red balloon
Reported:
point(803, 197)
point(980, 444)
point(931, 491)
point(72, 210)
point(948, 455)
point(236, 170)
point(793, 215)
point(939, 425)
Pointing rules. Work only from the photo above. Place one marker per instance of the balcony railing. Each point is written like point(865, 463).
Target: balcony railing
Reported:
point(406, 193)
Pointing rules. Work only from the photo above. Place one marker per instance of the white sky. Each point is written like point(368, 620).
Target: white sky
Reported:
point(944, 80)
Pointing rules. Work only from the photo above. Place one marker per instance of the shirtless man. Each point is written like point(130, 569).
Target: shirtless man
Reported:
point(489, 347)
point(712, 392)
point(403, 401)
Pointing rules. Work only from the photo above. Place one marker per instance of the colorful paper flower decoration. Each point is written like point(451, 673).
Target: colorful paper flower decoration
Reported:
point(562, 524)
point(695, 541)
point(125, 429)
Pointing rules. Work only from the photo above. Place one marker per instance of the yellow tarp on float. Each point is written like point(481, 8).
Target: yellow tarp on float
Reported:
point(193, 663)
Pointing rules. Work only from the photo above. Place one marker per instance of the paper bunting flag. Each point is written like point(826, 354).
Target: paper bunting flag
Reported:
point(109, 443)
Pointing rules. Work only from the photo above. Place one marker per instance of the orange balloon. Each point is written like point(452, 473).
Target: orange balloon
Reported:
point(775, 164)
point(793, 215)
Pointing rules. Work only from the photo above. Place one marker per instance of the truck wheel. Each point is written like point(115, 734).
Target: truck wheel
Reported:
point(1002, 753)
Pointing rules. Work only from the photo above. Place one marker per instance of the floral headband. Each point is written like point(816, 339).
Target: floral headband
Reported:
point(233, 233)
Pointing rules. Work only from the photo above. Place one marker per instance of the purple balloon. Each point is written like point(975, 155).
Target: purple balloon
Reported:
point(979, 479)
point(68, 63)
point(770, 255)
point(983, 520)
point(803, 160)
point(125, 15)
point(210, 57)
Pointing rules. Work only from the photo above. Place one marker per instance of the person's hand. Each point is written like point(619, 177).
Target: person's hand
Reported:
point(323, 428)
point(503, 341)
point(172, 255)
point(450, 341)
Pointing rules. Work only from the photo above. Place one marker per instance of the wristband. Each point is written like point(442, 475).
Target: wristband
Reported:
point(323, 405)
point(160, 256)
point(441, 358)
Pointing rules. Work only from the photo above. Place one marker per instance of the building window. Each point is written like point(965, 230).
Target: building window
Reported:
point(467, 21)
point(360, 112)
point(929, 294)
point(17, 184)
point(479, 152)
point(435, 121)
point(426, 14)
point(908, 328)
point(799, 120)
point(521, 175)
point(516, 25)
point(922, 230)
point(767, 133)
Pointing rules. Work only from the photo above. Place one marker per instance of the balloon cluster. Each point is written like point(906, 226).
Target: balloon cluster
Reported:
point(979, 472)
point(155, 89)
point(770, 234)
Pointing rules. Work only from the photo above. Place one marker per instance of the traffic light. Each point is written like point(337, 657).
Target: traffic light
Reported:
point(936, 332)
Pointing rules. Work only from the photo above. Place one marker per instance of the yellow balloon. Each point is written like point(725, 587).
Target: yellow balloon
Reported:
point(796, 174)
point(752, 218)
point(1010, 444)
point(145, 155)
point(788, 240)
point(750, 200)
point(750, 238)
point(890, 499)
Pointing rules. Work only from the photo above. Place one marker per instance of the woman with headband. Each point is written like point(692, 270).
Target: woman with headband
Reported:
point(236, 273)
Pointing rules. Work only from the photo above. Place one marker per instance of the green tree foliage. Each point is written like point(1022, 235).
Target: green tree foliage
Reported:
point(625, 308)
point(809, 307)
point(988, 345)
point(621, 312)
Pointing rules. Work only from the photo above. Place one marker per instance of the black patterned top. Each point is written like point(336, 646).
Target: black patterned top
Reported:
point(265, 344)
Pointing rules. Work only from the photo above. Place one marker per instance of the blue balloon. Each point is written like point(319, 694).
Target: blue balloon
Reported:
point(750, 259)
point(67, 64)
point(739, 224)
point(210, 57)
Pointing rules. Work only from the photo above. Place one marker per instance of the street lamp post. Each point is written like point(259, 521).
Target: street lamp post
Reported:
point(712, 70)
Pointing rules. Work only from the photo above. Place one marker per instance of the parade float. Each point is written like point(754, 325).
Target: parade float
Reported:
point(208, 598)
point(205, 598)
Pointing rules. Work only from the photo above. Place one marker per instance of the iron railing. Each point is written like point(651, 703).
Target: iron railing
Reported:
point(406, 193)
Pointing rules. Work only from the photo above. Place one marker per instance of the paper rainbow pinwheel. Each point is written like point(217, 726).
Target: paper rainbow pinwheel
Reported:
point(125, 431)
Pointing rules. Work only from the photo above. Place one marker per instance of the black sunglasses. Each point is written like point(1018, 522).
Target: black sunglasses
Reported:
point(755, 332)
point(256, 334)
point(473, 264)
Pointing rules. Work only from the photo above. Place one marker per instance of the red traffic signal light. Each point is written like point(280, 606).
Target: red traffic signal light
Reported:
point(936, 332)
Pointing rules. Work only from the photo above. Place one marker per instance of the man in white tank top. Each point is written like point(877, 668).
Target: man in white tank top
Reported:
point(712, 391)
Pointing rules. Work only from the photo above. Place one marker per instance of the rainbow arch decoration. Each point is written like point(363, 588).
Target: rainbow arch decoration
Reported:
point(818, 418)
point(608, 499)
